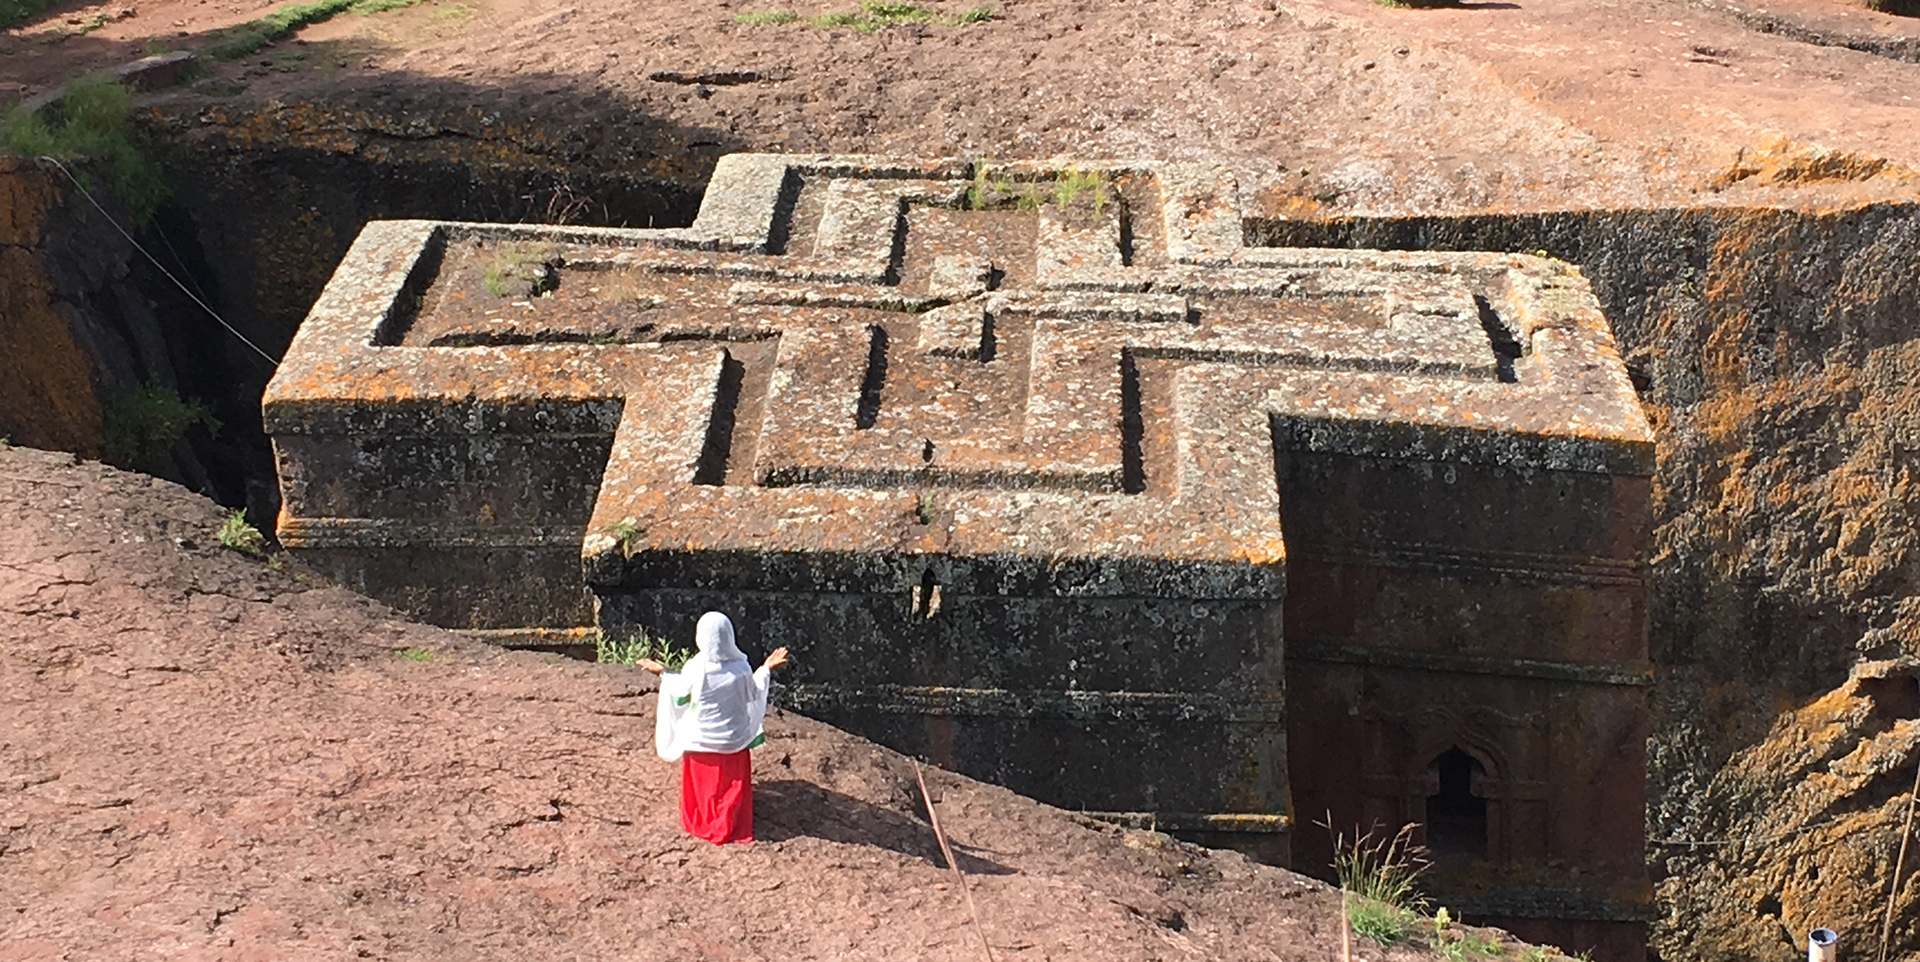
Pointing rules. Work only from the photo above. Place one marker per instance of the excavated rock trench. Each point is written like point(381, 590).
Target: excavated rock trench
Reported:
point(1775, 350)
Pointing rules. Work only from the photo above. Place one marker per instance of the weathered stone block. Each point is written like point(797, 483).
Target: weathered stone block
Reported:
point(1043, 475)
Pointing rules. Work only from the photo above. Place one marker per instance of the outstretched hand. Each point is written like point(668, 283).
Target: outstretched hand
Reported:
point(651, 665)
point(777, 660)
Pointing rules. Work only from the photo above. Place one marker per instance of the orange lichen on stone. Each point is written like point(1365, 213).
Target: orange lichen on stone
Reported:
point(47, 397)
point(1782, 162)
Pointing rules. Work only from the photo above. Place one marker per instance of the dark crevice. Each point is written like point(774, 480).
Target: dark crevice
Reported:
point(873, 380)
point(712, 466)
point(1133, 467)
point(1506, 347)
point(783, 207)
point(898, 255)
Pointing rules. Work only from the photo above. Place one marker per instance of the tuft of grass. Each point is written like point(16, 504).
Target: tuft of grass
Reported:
point(521, 270)
point(367, 8)
point(630, 650)
point(1029, 198)
point(1451, 947)
point(977, 190)
point(422, 655)
point(926, 507)
point(94, 121)
point(246, 39)
point(1074, 182)
point(872, 17)
point(142, 426)
point(1383, 923)
point(236, 534)
point(1379, 880)
point(624, 531)
point(1536, 953)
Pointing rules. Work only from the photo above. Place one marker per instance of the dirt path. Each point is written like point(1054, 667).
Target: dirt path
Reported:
point(202, 757)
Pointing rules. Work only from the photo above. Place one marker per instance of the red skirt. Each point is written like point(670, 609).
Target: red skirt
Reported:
point(716, 796)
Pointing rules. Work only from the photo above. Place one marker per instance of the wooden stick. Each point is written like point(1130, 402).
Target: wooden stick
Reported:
point(934, 820)
point(1899, 865)
point(1346, 930)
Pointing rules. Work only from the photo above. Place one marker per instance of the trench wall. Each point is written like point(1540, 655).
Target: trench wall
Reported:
point(1778, 355)
point(47, 397)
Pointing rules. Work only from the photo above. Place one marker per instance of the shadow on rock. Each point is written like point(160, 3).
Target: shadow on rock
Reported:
point(795, 809)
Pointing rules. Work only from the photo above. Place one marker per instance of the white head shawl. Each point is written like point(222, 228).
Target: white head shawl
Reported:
point(716, 702)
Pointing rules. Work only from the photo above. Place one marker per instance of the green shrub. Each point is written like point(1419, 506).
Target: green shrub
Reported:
point(632, 649)
point(237, 534)
point(422, 655)
point(94, 121)
point(16, 12)
point(142, 426)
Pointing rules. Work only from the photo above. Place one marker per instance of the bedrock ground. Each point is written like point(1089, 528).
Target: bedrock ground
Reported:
point(207, 756)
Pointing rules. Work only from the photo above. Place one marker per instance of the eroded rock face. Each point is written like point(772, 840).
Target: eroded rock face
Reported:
point(1803, 829)
point(47, 377)
point(1777, 356)
point(1044, 474)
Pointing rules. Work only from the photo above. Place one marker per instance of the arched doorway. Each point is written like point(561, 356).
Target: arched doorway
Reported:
point(1456, 817)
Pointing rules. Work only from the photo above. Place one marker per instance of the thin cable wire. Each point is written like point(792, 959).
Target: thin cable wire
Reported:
point(159, 266)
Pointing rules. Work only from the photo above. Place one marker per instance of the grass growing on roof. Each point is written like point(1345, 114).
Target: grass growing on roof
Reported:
point(521, 270)
point(1073, 189)
point(93, 121)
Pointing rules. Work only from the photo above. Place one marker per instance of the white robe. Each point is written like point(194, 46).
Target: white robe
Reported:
point(716, 702)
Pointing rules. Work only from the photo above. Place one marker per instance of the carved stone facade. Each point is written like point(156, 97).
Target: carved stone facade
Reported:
point(1044, 474)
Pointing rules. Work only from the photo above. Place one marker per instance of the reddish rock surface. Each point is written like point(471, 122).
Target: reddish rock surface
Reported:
point(204, 756)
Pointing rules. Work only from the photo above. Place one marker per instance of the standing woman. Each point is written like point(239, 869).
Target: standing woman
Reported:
point(710, 716)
